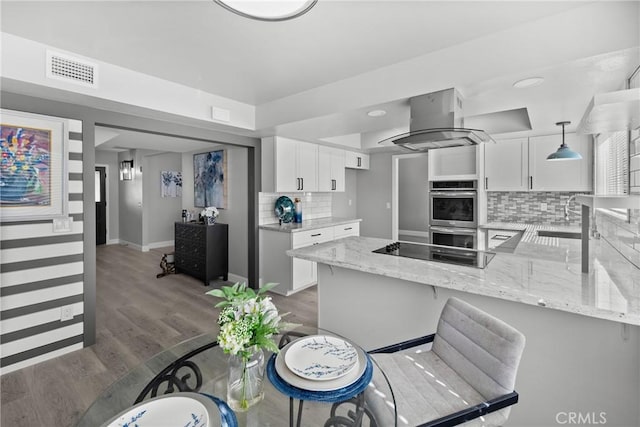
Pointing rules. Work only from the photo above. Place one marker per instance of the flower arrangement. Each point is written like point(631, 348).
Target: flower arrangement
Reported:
point(247, 318)
point(210, 212)
point(248, 321)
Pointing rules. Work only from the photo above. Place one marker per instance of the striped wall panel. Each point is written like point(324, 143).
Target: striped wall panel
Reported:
point(41, 271)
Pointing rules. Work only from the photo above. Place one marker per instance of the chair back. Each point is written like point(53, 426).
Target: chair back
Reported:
point(483, 350)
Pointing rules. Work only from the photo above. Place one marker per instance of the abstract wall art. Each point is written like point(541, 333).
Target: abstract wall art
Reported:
point(171, 183)
point(210, 179)
point(33, 164)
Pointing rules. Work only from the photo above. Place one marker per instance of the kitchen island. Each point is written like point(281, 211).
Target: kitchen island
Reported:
point(583, 335)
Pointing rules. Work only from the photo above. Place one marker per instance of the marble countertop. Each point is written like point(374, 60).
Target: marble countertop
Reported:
point(542, 271)
point(308, 224)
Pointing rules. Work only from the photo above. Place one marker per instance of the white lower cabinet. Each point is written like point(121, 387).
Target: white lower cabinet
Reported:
point(294, 274)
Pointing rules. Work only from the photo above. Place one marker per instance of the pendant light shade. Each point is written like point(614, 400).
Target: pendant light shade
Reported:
point(564, 152)
point(268, 10)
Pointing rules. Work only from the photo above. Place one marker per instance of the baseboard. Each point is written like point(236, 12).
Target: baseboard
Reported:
point(160, 244)
point(132, 245)
point(113, 242)
point(237, 279)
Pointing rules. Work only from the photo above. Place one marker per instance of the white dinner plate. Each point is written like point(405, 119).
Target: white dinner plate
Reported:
point(178, 409)
point(312, 385)
point(321, 357)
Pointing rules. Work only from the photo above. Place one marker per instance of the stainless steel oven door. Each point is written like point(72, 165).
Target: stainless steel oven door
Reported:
point(453, 236)
point(454, 208)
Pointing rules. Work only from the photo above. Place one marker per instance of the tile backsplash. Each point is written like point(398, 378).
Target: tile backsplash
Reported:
point(622, 235)
point(527, 207)
point(314, 205)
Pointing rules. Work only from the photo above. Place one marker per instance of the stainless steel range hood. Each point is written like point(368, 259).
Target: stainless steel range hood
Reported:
point(437, 122)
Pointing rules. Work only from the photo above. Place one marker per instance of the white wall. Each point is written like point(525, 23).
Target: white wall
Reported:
point(412, 193)
point(159, 213)
point(374, 192)
point(236, 214)
point(130, 201)
point(340, 206)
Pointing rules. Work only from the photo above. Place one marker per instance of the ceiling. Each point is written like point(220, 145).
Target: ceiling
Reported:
point(315, 77)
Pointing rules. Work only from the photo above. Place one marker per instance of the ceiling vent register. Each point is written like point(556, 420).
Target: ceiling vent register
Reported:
point(72, 70)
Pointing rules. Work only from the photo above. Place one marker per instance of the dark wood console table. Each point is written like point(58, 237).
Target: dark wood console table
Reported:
point(202, 251)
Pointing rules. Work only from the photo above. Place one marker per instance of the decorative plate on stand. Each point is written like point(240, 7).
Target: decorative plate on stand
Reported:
point(284, 209)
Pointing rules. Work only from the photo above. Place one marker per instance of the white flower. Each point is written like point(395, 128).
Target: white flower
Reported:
point(210, 211)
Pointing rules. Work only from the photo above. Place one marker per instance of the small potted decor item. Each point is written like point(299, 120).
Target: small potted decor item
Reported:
point(209, 215)
point(248, 321)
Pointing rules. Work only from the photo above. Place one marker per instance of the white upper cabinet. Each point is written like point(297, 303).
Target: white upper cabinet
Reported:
point(506, 165)
point(331, 173)
point(521, 165)
point(454, 163)
point(289, 165)
point(564, 175)
point(355, 160)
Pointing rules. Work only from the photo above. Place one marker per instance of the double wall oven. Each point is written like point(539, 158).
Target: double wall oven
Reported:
point(453, 213)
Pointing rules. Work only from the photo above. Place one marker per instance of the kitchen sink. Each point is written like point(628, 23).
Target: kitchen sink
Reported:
point(561, 234)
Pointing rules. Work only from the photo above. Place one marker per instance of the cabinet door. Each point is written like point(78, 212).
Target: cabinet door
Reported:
point(453, 163)
point(307, 165)
point(506, 165)
point(286, 156)
point(304, 272)
point(355, 160)
point(567, 175)
point(325, 178)
point(337, 169)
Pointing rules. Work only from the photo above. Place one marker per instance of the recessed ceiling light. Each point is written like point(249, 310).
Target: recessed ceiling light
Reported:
point(376, 113)
point(528, 82)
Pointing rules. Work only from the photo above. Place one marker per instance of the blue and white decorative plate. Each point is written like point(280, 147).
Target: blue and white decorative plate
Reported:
point(321, 357)
point(284, 209)
point(179, 409)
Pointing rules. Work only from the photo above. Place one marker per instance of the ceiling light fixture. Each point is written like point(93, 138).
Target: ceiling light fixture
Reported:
point(265, 10)
point(376, 113)
point(528, 82)
point(564, 152)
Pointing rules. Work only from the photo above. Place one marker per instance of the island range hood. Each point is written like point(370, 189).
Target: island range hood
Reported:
point(437, 122)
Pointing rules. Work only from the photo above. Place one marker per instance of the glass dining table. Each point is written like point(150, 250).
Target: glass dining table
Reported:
point(199, 365)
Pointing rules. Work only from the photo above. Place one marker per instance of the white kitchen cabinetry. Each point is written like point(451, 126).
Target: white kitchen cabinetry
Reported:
point(567, 175)
point(506, 165)
point(331, 173)
point(354, 160)
point(521, 165)
point(294, 274)
point(289, 165)
point(455, 163)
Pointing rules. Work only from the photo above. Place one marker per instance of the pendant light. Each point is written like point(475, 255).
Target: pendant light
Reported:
point(564, 152)
point(267, 10)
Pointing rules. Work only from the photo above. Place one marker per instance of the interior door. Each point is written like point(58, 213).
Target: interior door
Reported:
point(101, 205)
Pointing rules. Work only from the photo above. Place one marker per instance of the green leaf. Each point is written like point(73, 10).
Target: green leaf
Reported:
point(267, 287)
point(216, 293)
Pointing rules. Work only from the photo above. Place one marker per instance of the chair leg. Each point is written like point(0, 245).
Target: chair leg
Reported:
point(354, 417)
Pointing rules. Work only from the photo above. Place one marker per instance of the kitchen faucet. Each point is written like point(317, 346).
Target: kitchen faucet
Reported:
point(567, 210)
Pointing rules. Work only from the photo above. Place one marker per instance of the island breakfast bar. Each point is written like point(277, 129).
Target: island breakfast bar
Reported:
point(583, 330)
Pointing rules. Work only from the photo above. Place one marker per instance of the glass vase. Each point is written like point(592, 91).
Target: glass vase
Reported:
point(244, 386)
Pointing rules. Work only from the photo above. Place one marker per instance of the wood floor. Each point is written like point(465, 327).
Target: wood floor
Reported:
point(137, 316)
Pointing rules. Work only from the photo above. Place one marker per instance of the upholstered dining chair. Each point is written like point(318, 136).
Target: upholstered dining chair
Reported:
point(467, 376)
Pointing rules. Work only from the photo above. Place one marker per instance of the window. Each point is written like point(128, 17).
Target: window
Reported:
point(613, 163)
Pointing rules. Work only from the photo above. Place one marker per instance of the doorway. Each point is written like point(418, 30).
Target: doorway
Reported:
point(101, 204)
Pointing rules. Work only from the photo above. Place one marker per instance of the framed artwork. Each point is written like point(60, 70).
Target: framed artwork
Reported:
point(210, 179)
point(33, 166)
point(171, 184)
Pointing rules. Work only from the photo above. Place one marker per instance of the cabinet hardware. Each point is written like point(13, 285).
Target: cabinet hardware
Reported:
point(348, 228)
point(359, 161)
point(297, 183)
point(486, 183)
point(302, 183)
point(531, 182)
point(316, 235)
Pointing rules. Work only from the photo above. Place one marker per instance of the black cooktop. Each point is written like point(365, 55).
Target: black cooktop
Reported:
point(448, 254)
